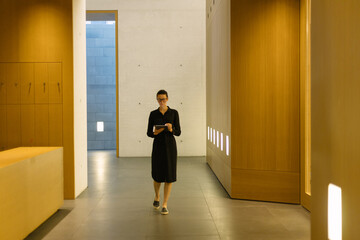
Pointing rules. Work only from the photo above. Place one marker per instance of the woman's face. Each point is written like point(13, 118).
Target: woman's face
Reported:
point(162, 100)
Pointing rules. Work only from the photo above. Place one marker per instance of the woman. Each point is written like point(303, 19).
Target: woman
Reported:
point(164, 153)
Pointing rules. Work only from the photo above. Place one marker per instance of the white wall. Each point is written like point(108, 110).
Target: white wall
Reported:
point(80, 126)
point(161, 46)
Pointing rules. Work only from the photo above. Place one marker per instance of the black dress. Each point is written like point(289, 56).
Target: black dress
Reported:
point(164, 152)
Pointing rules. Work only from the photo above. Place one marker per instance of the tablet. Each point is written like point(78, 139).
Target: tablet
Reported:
point(160, 126)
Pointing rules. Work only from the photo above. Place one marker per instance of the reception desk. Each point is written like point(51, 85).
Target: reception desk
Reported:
point(31, 188)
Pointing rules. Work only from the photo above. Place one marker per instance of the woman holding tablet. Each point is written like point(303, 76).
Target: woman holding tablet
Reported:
point(163, 125)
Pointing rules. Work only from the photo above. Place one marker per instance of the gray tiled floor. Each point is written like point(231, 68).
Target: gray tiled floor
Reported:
point(118, 205)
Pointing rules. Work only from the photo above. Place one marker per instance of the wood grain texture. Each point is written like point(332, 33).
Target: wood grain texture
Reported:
point(305, 104)
point(41, 83)
point(265, 84)
point(55, 82)
point(27, 83)
point(272, 186)
point(12, 78)
point(27, 125)
point(3, 131)
point(55, 125)
point(13, 126)
point(335, 103)
point(41, 32)
point(2, 83)
point(265, 89)
point(42, 125)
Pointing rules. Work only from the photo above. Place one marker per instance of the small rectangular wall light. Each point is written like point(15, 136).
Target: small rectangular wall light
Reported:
point(217, 138)
point(222, 141)
point(100, 126)
point(214, 136)
point(334, 212)
point(208, 133)
point(227, 146)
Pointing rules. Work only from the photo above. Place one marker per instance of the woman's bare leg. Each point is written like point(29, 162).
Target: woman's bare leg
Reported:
point(157, 190)
point(167, 191)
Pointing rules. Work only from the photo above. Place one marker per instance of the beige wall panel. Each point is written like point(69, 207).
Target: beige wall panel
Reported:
point(266, 185)
point(41, 83)
point(221, 168)
point(27, 83)
point(55, 83)
point(3, 131)
point(2, 84)
point(55, 125)
point(27, 125)
point(335, 85)
point(41, 125)
point(218, 98)
point(13, 85)
point(265, 85)
point(13, 126)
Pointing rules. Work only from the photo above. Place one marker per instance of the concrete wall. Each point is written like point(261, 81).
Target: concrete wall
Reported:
point(101, 89)
point(335, 75)
point(80, 126)
point(161, 45)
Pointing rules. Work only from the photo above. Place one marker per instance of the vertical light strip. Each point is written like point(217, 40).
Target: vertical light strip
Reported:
point(210, 134)
point(334, 212)
point(222, 142)
point(227, 146)
point(217, 138)
point(214, 136)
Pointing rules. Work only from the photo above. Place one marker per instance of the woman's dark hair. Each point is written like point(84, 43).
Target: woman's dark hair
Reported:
point(162, 91)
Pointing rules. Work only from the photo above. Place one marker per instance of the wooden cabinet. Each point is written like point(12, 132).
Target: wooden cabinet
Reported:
point(41, 125)
point(12, 80)
point(55, 83)
point(27, 83)
point(55, 125)
point(3, 135)
point(27, 125)
point(2, 84)
point(13, 125)
point(41, 83)
point(31, 109)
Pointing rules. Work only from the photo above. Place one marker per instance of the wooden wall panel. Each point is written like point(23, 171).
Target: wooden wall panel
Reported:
point(41, 125)
point(3, 131)
point(335, 116)
point(55, 125)
point(27, 83)
point(13, 126)
point(55, 82)
point(265, 88)
point(2, 84)
point(42, 32)
point(27, 125)
point(265, 185)
point(41, 83)
point(13, 86)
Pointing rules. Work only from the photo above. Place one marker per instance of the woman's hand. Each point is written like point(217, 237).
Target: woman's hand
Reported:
point(169, 125)
point(157, 131)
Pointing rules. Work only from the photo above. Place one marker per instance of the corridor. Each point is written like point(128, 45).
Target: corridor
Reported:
point(118, 205)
